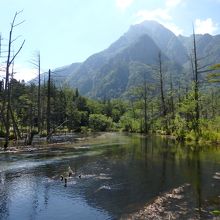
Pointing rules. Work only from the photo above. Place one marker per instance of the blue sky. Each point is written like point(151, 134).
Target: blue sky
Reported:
point(70, 31)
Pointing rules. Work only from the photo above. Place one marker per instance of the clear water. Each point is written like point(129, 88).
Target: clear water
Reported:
point(118, 175)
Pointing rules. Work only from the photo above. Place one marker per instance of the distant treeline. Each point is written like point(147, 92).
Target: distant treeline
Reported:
point(145, 112)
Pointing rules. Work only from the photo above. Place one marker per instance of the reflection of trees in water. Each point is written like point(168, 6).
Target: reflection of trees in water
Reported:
point(34, 200)
point(46, 195)
point(194, 173)
point(139, 170)
point(39, 189)
point(198, 177)
point(164, 166)
point(4, 196)
point(10, 186)
point(143, 166)
point(145, 145)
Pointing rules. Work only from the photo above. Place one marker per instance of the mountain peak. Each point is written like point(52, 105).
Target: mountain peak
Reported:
point(163, 37)
point(150, 23)
point(110, 73)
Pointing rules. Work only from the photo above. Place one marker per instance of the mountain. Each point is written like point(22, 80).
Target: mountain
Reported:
point(163, 37)
point(208, 47)
point(60, 76)
point(114, 77)
point(113, 71)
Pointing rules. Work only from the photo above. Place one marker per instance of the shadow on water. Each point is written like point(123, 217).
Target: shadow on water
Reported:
point(117, 176)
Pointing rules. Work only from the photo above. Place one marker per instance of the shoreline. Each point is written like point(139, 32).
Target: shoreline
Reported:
point(79, 138)
point(174, 204)
point(74, 142)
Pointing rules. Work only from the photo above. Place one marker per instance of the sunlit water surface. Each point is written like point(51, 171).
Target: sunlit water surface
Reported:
point(118, 175)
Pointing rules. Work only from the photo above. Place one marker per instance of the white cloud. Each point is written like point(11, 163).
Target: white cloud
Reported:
point(160, 15)
point(205, 26)
point(157, 15)
point(24, 73)
point(173, 3)
point(175, 29)
point(123, 4)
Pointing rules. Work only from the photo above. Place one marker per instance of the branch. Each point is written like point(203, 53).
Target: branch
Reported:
point(49, 135)
point(215, 66)
point(13, 21)
point(204, 71)
point(17, 53)
point(19, 23)
point(33, 63)
point(19, 12)
point(211, 75)
point(15, 39)
point(214, 80)
point(202, 67)
point(12, 24)
point(202, 58)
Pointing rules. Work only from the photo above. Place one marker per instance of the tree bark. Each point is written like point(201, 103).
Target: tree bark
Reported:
point(48, 104)
point(39, 96)
point(196, 86)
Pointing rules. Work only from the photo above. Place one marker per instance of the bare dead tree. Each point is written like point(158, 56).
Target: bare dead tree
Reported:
point(197, 70)
point(10, 60)
point(39, 96)
point(15, 126)
point(48, 104)
point(37, 63)
point(196, 83)
point(145, 106)
point(161, 79)
point(172, 97)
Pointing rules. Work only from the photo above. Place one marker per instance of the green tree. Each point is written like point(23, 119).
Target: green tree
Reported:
point(99, 122)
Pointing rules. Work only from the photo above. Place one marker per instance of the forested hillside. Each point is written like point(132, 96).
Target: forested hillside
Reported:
point(148, 81)
point(114, 71)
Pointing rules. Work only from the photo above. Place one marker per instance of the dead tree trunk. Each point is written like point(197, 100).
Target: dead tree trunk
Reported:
point(10, 60)
point(16, 129)
point(39, 97)
point(145, 108)
point(48, 104)
point(171, 97)
point(163, 105)
point(162, 96)
point(196, 86)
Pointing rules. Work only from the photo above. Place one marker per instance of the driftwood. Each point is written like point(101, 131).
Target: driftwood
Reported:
point(54, 130)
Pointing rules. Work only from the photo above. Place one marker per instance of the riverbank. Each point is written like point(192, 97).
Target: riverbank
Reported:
point(175, 204)
point(67, 140)
point(77, 139)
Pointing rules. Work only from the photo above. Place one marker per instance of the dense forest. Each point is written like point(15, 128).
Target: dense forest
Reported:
point(191, 112)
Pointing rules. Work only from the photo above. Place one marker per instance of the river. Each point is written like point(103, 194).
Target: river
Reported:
point(114, 175)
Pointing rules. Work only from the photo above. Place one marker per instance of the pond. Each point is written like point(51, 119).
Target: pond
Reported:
point(119, 174)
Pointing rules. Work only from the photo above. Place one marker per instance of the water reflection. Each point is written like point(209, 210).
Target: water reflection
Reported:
point(116, 178)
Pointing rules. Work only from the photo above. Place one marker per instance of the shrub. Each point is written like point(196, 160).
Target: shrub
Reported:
point(99, 122)
point(180, 127)
point(129, 124)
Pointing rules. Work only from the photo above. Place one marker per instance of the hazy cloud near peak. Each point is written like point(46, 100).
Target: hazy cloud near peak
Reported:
point(174, 28)
point(161, 15)
point(205, 26)
point(157, 14)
